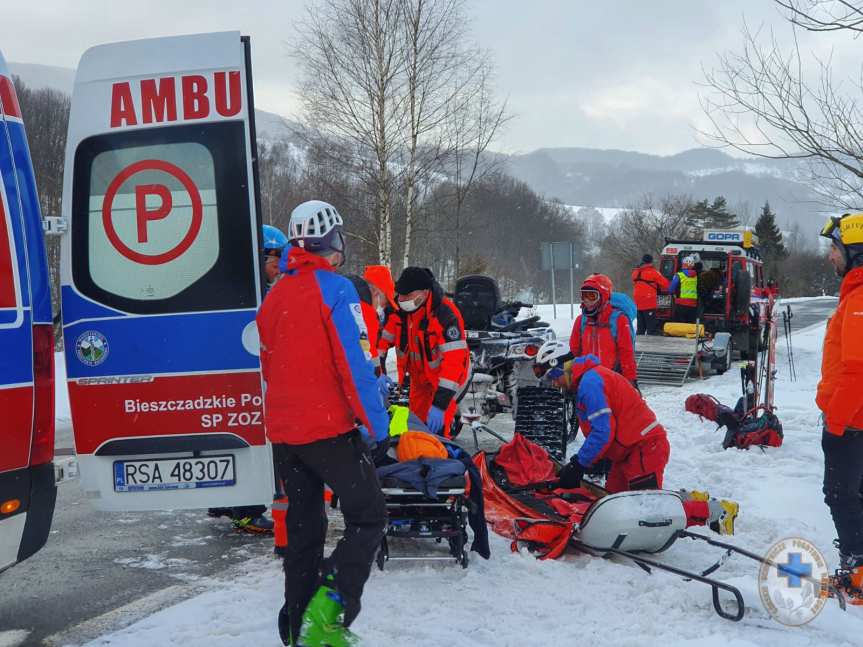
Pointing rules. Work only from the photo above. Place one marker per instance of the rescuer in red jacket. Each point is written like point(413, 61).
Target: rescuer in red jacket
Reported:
point(618, 425)
point(429, 329)
point(319, 383)
point(603, 331)
point(647, 283)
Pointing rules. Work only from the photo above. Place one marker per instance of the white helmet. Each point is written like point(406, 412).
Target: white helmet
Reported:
point(553, 352)
point(689, 261)
point(316, 226)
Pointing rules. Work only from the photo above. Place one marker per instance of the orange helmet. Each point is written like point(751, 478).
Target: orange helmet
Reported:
point(419, 444)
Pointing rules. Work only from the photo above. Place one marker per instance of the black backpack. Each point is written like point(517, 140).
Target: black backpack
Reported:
point(478, 299)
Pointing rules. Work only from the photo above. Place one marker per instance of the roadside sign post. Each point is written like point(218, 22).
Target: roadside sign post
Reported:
point(560, 256)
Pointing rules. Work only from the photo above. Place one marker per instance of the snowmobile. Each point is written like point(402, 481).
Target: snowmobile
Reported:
point(524, 504)
point(502, 348)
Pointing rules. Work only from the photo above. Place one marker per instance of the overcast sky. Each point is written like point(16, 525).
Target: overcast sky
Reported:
point(603, 74)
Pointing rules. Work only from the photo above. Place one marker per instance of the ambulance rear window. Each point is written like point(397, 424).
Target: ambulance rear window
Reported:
point(160, 220)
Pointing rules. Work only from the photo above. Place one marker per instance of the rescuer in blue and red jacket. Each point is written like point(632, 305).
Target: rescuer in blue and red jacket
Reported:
point(320, 384)
point(618, 425)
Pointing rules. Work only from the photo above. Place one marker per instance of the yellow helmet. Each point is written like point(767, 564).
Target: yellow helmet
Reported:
point(846, 232)
point(847, 228)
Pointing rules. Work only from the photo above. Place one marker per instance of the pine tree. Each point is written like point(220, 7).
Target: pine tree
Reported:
point(770, 240)
point(698, 218)
point(719, 215)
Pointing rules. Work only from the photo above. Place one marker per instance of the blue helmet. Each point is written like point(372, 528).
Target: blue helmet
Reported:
point(274, 239)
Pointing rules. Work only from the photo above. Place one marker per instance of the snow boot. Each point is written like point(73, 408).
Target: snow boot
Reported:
point(720, 513)
point(848, 578)
point(323, 620)
point(723, 513)
point(219, 512)
point(257, 526)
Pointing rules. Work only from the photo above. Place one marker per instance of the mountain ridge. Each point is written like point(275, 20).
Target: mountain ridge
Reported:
point(591, 176)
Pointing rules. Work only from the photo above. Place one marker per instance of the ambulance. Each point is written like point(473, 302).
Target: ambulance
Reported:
point(27, 479)
point(161, 276)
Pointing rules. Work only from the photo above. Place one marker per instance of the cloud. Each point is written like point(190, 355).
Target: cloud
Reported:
point(605, 74)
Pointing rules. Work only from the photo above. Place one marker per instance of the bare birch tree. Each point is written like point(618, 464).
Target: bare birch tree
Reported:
point(351, 56)
point(771, 101)
point(474, 122)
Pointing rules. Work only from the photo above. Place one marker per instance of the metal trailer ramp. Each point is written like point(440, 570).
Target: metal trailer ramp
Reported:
point(664, 360)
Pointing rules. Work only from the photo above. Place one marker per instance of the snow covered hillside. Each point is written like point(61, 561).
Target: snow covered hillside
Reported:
point(515, 600)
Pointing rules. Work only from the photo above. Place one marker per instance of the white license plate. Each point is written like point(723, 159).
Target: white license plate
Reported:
point(174, 474)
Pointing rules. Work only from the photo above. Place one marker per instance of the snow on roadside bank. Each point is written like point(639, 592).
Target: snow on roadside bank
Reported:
point(515, 600)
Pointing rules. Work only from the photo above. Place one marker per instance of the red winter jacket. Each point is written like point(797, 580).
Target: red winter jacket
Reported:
point(617, 354)
point(612, 415)
point(647, 282)
point(432, 339)
point(319, 379)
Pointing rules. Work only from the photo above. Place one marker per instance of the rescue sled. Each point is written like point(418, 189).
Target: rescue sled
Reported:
point(523, 504)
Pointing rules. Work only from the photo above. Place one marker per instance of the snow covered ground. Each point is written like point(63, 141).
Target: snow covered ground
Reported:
point(516, 600)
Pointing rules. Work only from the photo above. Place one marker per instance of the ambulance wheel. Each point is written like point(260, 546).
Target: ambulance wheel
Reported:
point(464, 560)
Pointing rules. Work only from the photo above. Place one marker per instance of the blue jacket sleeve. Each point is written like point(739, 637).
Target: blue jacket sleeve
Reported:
point(346, 330)
point(594, 405)
point(675, 283)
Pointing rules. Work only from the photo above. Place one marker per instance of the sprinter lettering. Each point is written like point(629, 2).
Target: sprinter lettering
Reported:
point(155, 101)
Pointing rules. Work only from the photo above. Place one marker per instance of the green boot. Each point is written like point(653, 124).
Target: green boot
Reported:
point(322, 620)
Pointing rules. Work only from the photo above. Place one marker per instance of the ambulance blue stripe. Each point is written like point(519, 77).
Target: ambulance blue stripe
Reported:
point(38, 259)
point(340, 297)
point(210, 341)
point(16, 358)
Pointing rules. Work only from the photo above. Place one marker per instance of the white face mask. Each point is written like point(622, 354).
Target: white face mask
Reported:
point(409, 306)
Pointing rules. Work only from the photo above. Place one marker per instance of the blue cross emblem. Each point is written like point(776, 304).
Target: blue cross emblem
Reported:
point(795, 569)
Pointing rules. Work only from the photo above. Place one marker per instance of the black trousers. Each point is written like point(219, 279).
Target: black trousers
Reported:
point(843, 487)
point(343, 463)
point(647, 322)
point(685, 314)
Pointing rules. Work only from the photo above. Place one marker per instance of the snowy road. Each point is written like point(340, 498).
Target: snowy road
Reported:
point(101, 572)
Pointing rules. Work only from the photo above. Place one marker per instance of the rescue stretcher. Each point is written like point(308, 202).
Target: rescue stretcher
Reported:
point(415, 516)
point(632, 526)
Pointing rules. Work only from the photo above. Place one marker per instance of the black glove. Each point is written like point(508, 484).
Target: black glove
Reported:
point(379, 450)
point(570, 475)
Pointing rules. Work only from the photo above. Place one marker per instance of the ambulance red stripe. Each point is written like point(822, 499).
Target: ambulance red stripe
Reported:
point(8, 98)
point(8, 298)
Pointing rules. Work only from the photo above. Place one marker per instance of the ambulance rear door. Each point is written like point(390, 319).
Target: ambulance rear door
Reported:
point(27, 487)
point(161, 278)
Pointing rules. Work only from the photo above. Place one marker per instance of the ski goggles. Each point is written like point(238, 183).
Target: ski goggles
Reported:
point(831, 227)
point(590, 297)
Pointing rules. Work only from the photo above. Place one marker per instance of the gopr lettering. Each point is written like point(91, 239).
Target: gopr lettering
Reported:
point(171, 99)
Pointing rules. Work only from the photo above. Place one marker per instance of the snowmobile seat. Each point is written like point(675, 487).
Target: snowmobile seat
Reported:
point(478, 299)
